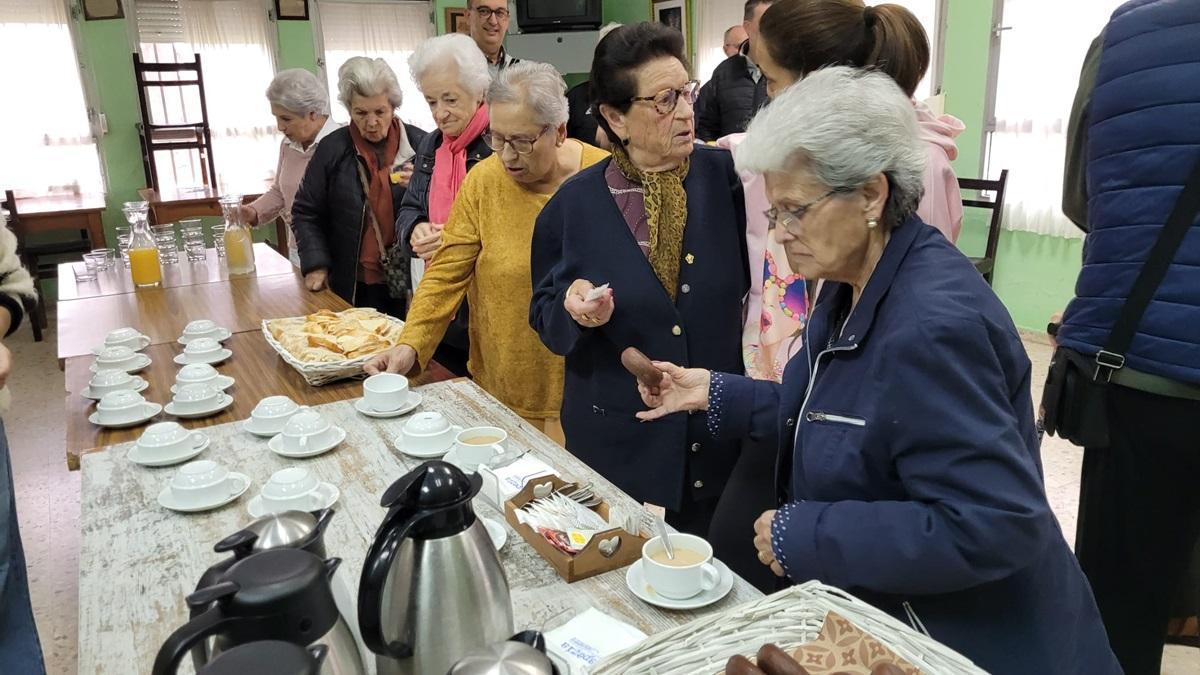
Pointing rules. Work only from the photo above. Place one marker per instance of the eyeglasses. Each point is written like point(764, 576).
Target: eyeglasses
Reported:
point(521, 146)
point(666, 100)
point(486, 13)
point(790, 218)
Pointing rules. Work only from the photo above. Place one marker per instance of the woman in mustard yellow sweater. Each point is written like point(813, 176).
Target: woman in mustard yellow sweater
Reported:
point(486, 245)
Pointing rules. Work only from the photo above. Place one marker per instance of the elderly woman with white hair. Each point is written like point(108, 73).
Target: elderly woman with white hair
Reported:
point(300, 105)
point(453, 76)
point(344, 215)
point(908, 469)
point(486, 244)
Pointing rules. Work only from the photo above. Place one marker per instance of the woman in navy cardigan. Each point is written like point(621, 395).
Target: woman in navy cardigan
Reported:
point(909, 470)
point(662, 223)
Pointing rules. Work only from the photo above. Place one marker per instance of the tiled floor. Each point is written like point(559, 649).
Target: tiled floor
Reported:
point(48, 496)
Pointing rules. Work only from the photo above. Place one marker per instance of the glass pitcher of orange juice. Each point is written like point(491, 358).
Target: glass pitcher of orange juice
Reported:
point(239, 244)
point(143, 252)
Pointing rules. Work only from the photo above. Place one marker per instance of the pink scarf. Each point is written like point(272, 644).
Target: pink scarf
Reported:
point(450, 166)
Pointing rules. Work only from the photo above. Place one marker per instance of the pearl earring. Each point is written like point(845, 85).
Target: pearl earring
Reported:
point(872, 223)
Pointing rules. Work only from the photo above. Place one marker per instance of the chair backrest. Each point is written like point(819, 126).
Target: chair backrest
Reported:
point(996, 205)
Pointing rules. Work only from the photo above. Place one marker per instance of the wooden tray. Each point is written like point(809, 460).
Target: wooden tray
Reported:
point(597, 557)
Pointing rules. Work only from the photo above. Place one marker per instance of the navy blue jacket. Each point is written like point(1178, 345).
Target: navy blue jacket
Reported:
point(915, 476)
point(581, 234)
point(1143, 138)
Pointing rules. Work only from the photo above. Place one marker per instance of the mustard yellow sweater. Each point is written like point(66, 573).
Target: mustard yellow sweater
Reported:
point(485, 256)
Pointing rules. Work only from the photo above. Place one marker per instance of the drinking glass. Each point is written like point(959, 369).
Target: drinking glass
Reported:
point(218, 234)
point(165, 241)
point(124, 232)
point(193, 239)
point(110, 258)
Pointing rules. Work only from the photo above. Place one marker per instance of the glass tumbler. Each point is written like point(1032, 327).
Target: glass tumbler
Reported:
point(218, 234)
point(165, 242)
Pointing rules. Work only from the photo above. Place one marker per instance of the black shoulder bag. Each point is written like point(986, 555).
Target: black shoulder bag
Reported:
point(1074, 402)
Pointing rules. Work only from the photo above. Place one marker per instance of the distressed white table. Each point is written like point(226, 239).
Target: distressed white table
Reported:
point(138, 560)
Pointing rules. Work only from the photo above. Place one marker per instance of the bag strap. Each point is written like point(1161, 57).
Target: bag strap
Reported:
point(1112, 357)
point(374, 222)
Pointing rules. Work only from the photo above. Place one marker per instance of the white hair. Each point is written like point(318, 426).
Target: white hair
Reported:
point(299, 91)
point(459, 50)
point(846, 126)
point(537, 86)
point(368, 77)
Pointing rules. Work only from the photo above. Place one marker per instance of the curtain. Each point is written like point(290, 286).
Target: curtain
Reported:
point(713, 18)
point(46, 142)
point(1041, 53)
point(389, 31)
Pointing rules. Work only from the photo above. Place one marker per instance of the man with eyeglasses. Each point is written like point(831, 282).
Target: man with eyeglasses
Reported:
point(488, 21)
point(737, 89)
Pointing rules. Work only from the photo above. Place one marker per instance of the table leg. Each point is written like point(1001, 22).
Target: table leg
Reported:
point(95, 227)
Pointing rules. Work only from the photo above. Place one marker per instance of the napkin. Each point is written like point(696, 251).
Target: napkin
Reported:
point(844, 648)
point(589, 637)
point(502, 484)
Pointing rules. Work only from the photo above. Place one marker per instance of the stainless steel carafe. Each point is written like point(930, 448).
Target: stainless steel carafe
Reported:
point(432, 587)
point(281, 594)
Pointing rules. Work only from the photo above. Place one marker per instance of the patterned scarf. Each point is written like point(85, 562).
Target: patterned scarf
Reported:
point(666, 215)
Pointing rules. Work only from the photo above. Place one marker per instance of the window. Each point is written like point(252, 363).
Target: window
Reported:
point(389, 31)
point(233, 38)
point(46, 141)
point(929, 13)
point(1041, 50)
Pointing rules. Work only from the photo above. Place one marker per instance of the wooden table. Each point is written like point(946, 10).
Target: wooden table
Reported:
point(138, 561)
point(267, 262)
point(258, 371)
point(170, 206)
point(47, 214)
point(237, 304)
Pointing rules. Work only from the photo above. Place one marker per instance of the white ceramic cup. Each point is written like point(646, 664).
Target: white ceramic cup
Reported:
point(427, 432)
point(194, 398)
point(201, 482)
point(294, 488)
point(306, 430)
point(201, 328)
point(272, 412)
point(201, 349)
point(168, 439)
point(120, 358)
point(124, 337)
point(680, 582)
point(109, 380)
point(385, 392)
point(122, 406)
point(470, 451)
point(196, 373)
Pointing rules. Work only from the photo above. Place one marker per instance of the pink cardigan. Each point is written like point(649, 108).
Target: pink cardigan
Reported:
point(941, 206)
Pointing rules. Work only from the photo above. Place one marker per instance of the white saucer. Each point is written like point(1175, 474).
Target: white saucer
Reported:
point(221, 382)
point(139, 385)
point(239, 483)
point(183, 360)
point(495, 531)
point(248, 427)
point(224, 335)
point(452, 458)
point(143, 341)
point(637, 584)
point(151, 409)
point(225, 401)
point(329, 496)
point(414, 400)
point(135, 454)
point(140, 364)
point(276, 446)
point(398, 443)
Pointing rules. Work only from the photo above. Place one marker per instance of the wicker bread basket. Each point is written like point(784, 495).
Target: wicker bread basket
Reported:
point(318, 374)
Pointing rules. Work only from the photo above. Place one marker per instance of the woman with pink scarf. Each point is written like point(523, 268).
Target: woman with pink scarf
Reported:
point(453, 75)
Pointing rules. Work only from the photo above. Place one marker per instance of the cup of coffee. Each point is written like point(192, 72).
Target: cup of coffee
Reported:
point(196, 398)
point(477, 445)
point(306, 430)
point(105, 381)
point(200, 482)
point(119, 407)
point(167, 439)
point(689, 573)
point(288, 489)
point(385, 392)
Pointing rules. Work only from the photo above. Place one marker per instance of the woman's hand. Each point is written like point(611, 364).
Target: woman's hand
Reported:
point(681, 390)
point(6, 361)
point(398, 359)
point(404, 175)
point(762, 542)
point(316, 279)
point(249, 215)
point(426, 239)
point(588, 313)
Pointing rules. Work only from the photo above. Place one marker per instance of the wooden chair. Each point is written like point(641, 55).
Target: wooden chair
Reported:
point(31, 255)
point(987, 264)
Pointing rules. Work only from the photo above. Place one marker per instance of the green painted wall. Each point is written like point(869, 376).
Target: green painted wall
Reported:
point(964, 77)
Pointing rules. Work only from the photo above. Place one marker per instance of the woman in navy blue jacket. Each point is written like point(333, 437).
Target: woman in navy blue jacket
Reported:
point(908, 470)
point(663, 224)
